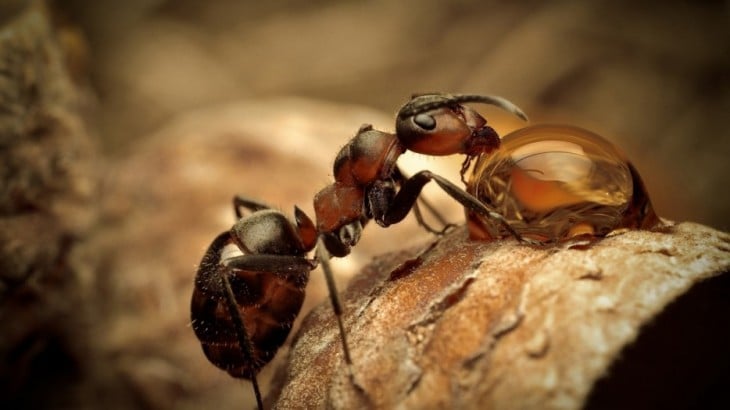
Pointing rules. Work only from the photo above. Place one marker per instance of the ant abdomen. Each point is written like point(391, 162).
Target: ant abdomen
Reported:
point(269, 302)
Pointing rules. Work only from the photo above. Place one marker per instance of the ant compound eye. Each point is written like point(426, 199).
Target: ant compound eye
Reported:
point(554, 182)
point(425, 121)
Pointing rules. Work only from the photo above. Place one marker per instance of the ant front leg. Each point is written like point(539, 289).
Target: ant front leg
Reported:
point(411, 188)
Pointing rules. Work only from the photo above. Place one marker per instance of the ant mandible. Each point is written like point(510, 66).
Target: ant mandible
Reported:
point(243, 306)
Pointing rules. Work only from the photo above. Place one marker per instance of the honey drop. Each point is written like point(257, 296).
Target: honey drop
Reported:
point(554, 182)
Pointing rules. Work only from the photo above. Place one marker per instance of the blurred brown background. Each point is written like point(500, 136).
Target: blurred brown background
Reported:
point(192, 102)
point(650, 75)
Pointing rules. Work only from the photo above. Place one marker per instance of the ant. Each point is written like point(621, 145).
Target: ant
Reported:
point(243, 306)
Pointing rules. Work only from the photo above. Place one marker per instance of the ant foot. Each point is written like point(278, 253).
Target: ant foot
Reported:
point(447, 228)
point(529, 241)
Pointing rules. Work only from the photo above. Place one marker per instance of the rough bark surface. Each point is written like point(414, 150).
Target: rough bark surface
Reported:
point(46, 185)
point(462, 324)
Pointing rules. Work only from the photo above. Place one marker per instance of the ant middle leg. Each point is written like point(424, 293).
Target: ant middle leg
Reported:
point(422, 222)
point(323, 256)
point(400, 178)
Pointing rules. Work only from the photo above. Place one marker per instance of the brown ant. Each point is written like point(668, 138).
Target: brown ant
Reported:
point(243, 306)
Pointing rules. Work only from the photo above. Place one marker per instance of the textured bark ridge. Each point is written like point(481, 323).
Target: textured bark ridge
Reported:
point(464, 324)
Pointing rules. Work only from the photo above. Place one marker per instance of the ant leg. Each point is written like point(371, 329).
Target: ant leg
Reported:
point(324, 257)
point(216, 282)
point(284, 265)
point(422, 222)
point(243, 340)
point(436, 214)
point(211, 278)
point(400, 177)
point(246, 203)
point(432, 210)
point(411, 189)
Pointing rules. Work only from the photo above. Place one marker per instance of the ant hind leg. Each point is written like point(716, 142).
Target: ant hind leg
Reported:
point(241, 202)
point(244, 340)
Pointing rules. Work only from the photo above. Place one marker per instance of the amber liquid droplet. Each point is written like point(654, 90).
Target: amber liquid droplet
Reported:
point(553, 182)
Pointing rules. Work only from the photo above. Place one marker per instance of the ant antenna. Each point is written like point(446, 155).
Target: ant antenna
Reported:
point(500, 102)
point(427, 102)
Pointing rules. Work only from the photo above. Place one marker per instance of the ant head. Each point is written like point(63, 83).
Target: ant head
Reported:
point(439, 124)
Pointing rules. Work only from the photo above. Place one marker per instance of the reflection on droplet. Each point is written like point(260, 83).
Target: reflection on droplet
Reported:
point(553, 182)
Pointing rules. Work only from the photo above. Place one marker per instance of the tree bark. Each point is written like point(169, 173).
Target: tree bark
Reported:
point(47, 183)
point(463, 324)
